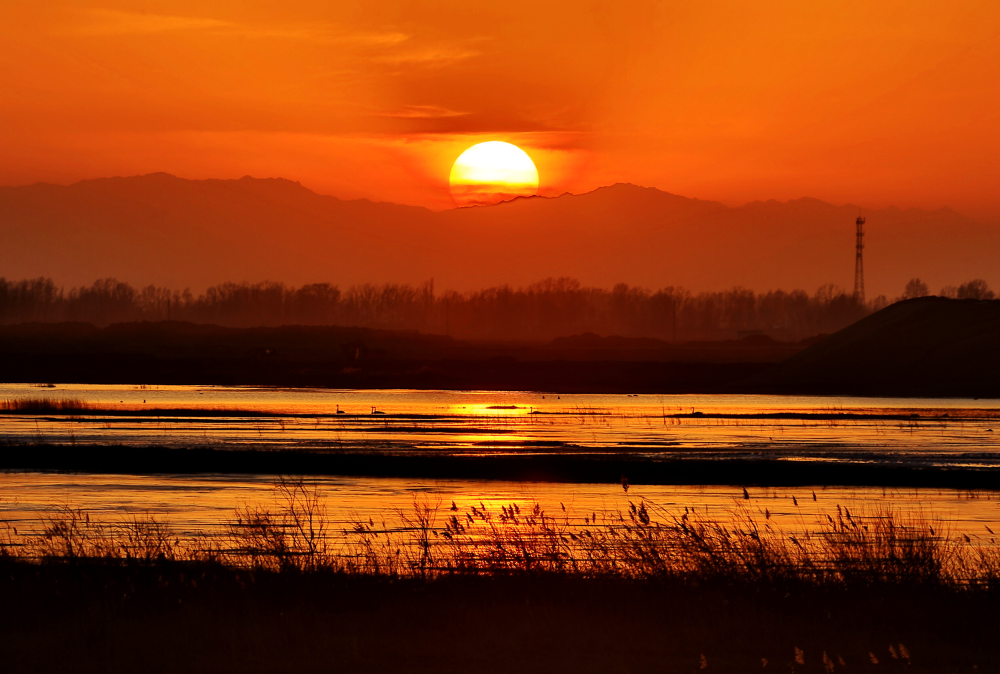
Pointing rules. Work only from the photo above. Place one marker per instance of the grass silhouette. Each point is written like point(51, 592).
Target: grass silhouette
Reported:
point(438, 588)
point(494, 588)
point(46, 406)
point(295, 531)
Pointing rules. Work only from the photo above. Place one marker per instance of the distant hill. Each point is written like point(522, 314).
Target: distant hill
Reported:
point(929, 346)
point(170, 231)
point(174, 352)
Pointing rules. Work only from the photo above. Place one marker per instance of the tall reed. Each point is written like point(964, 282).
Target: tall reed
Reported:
point(292, 536)
point(294, 531)
point(44, 405)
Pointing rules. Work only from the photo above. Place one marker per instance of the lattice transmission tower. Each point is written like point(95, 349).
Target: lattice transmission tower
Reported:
point(859, 263)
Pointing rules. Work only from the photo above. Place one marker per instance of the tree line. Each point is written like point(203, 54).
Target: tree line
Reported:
point(541, 311)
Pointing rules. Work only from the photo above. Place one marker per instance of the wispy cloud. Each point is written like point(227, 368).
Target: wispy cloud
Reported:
point(431, 56)
point(424, 112)
point(108, 22)
point(323, 33)
point(113, 22)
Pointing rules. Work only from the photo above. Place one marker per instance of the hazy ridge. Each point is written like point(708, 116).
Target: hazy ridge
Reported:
point(166, 230)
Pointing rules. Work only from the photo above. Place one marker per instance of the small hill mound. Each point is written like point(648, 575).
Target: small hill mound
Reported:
point(930, 346)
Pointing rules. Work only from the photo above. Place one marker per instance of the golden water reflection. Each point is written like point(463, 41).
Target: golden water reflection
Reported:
point(927, 431)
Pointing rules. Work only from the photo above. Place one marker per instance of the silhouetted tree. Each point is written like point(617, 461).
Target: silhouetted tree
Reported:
point(107, 301)
point(915, 288)
point(30, 300)
point(551, 308)
point(975, 289)
point(878, 304)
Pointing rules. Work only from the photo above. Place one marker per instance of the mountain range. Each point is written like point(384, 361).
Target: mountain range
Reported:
point(164, 230)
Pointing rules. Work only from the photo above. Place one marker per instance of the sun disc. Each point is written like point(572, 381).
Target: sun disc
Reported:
point(490, 172)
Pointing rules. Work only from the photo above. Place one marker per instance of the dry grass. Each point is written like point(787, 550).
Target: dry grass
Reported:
point(294, 532)
point(880, 547)
point(45, 406)
point(71, 534)
point(292, 536)
point(727, 593)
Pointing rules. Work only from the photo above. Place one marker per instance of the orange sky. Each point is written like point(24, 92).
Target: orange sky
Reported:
point(875, 103)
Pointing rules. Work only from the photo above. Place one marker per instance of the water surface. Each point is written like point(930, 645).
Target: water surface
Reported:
point(936, 432)
point(202, 504)
point(927, 431)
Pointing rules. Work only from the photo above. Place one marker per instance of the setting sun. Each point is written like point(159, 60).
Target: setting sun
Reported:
point(488, 173)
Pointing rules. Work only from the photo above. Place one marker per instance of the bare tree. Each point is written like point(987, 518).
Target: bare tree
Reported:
point(915, 288)
point(551, 308)
point(976, 289)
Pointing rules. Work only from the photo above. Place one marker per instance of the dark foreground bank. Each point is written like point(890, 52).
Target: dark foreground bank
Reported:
point(496, 589)
point(171, 617)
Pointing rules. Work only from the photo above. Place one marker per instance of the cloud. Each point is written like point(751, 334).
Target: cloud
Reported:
point(424, 112)
point(112, 22)
point(387, 48)
point(431, 56)
point(321, 32)
point(105, 22)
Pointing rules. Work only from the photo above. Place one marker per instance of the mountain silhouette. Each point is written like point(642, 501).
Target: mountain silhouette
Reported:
point(170, 231)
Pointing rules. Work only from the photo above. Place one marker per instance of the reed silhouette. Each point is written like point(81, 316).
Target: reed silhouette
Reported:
point(46, 406)
point(447, 589)
point(296, 532)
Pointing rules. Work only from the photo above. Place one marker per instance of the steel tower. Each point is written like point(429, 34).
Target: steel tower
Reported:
point(859, 264)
